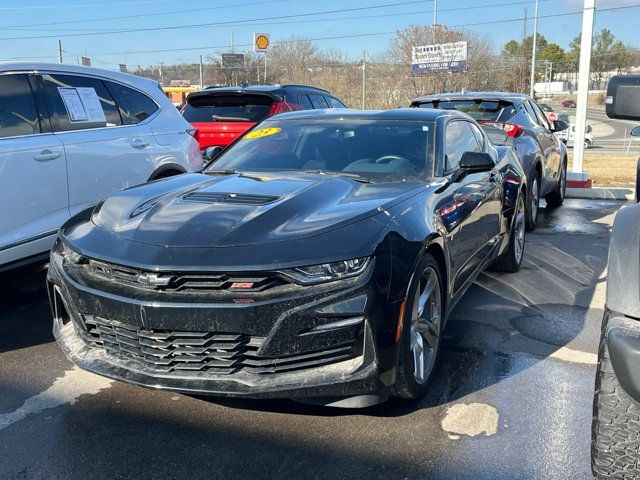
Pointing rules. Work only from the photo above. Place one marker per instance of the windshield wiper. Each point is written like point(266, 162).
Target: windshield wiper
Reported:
point(354, 176)
point(228, 171)
point(220, 118)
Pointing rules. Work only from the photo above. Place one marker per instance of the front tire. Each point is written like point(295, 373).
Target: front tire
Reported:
point(511, 259)
point(422, 325)
point(615, 431)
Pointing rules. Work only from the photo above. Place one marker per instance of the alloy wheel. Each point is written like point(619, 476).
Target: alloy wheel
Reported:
point(426, 323)
point(519, 231)
point(535, 199)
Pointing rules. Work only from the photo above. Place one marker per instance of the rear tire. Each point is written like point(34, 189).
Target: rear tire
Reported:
point(533, 203)
point(511, 259)
point(556, 198)
point(615, 431)
point(422, 325)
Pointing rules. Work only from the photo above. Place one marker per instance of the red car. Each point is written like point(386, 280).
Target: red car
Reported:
point(222, 114)
point(569, 104)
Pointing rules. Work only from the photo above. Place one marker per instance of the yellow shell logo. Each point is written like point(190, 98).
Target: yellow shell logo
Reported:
point(262, 42)
point(263, 132)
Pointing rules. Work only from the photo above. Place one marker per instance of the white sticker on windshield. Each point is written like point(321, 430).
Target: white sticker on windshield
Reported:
point(73, 104)
point(92, 104)
point(82, 104)
point(425, 128)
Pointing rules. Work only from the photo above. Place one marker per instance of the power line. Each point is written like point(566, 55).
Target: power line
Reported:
point(140, 15)
point(85, 5)
point(229, 22)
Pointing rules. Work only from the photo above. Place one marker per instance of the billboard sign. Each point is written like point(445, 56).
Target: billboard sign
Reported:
point(232, 60)
point(85, 61)
point(445, 57)
point(261, 42)
point(123, 68)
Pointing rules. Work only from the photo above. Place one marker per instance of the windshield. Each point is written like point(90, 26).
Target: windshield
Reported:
point(227, 108)
point(369, 148)
point(487, 110)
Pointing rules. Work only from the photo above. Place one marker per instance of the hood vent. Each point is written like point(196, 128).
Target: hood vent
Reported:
point(234, 198)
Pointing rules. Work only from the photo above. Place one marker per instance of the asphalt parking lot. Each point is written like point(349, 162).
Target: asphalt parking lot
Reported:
point(511, 398)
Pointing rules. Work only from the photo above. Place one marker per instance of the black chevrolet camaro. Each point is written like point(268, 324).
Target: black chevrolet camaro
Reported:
point(318, 257)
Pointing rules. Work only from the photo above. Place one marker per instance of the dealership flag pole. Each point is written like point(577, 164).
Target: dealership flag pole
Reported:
point(533, 53)
point(583, 92)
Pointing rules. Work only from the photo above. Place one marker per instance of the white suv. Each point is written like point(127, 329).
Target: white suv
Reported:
point(71, 136)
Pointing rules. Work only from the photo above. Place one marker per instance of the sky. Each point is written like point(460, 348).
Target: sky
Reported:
point(177, 31)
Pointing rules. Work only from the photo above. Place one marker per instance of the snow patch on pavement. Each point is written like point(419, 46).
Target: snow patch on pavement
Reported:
point(470, 419)
point(64, 390)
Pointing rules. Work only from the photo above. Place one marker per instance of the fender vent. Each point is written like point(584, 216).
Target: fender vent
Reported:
point(236, 198)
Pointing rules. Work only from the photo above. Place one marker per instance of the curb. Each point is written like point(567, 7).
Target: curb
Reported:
point(599, 193)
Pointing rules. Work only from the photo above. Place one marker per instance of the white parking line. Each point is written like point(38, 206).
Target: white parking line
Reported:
point(575, 356)
point(66, 389)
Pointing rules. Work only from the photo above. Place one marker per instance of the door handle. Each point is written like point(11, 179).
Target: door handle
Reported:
point(137, 143)
point(46, 156)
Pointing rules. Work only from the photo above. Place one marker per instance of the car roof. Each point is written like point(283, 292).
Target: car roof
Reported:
point(64, 68)
point(274, 89)
point(507, 96)
point(409, 114)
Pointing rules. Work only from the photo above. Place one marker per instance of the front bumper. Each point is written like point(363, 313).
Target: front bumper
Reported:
point(111, 335)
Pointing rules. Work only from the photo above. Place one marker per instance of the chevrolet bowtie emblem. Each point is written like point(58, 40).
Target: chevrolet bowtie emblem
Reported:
point(154, 279)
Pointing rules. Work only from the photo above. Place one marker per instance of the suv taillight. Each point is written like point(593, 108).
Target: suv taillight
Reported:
point(511, 129)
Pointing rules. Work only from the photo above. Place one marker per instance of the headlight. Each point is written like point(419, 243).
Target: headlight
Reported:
point(69, 254)
point(328, 272)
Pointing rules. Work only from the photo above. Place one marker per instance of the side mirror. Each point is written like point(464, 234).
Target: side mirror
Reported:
point(623, 97)
point(560, 126)
point(475, 162)
point(635, 132)
point(211, 153)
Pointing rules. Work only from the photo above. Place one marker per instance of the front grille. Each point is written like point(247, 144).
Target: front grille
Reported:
point(196, 353)
point(183, 281)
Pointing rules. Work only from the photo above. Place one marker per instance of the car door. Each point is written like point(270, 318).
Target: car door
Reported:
point(33, 172)
point(105, 153)
point(550, 146)
point(471, 210)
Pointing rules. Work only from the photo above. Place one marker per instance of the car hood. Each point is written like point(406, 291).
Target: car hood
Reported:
point(244, 209)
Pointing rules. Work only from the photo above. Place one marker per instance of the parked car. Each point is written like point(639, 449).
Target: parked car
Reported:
point(568, 136)
point(70, 136)
point(569, 104)
point(615, 433)
point(222, 114)
point(319, 257)
point(543, 156)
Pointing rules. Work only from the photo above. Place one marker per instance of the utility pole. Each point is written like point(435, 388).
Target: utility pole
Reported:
point(265, 68)
point(59, 51)
point(364, 77)
point(435, 12)
point(201, 76)
point(160, 73)
point(533, 54)
point(583, 90)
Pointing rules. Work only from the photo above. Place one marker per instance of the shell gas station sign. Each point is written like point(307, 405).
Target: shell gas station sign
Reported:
point(261, 42)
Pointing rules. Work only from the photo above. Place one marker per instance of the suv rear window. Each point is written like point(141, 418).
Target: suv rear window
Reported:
point(487, 110)
point(227, 108)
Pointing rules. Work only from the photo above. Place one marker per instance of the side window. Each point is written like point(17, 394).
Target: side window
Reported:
point(459, 138)
point(304, 102)
point(478, 134)
point(530, 112)
point(318, 101)
point(80, 102)
point(18, 114)
point(335, 103)
point(542, 118)
point(134, 106)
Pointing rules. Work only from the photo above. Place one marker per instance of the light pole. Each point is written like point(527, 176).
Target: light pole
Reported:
point(533, 54)
point(583, 91)
point(435, 12)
